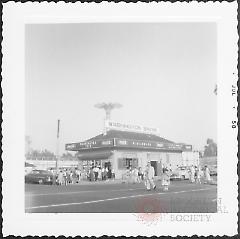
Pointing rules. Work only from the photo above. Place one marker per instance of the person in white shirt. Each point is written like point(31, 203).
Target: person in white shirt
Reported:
point(113, 174)
point(199, 175)
point(165, 178)
point(149, 174)
point(192, 174)
point(207, 174)
point(103, 173)
point(99, 173)
point(106, 173)
point(135, 175)
point(95, 170)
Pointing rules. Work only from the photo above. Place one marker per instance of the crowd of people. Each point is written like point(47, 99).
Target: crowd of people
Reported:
point(75, 175)
point(67, 176)
point(199, 175)
point(134, 175)
point(97, 173)
point(138, 175)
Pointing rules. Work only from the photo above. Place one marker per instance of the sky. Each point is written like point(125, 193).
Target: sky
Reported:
point(162, 73)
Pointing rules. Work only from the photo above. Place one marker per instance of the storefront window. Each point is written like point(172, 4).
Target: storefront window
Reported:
point(124, 163)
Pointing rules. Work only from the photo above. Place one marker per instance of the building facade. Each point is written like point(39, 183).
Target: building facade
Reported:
point(120, 150)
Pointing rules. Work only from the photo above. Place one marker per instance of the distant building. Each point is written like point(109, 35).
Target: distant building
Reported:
point(209, 161)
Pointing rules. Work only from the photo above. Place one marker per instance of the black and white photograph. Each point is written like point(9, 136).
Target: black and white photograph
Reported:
point(120, 112)
point(122, 119)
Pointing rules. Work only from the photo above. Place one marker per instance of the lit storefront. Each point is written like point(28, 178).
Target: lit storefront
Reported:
point(121, 149)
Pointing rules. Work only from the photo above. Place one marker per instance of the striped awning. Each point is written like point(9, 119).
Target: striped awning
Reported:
point(95, 156)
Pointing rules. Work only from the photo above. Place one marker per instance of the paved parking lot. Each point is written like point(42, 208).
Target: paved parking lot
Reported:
point(120, 198)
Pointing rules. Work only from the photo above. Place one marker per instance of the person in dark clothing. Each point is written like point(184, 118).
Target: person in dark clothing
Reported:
point(110, 173)
point(91, 175)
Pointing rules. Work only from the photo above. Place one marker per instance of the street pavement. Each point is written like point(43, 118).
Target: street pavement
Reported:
point(117, 197)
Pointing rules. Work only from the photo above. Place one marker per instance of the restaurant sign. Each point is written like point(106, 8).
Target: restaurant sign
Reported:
point(130, 127)
point(127, 143)
point(89, 144)
point(151, 145)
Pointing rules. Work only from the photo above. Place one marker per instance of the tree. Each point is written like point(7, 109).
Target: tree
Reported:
point(67, 156)
point(41, 155)
point(210, 149)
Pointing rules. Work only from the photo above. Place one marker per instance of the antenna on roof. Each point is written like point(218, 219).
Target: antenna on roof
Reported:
point(108, 107)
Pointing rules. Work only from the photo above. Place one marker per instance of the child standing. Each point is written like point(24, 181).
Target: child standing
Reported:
point(165, 179)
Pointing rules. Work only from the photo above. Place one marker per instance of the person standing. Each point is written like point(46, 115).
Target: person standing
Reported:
point(140, 174)
point(199, 174)
point(103, 173)
point(192, 174)
point(60, 178)
point(99, 173)
point(195, 173)
point(149, 173)
point(113, 174)
point(64, 177)
point(71, 177)
point(95, 170)
point(91, 174)
point(136, 175)
point(74, 176)
point(207, 174)
point(165, 178)
point(110, 173)
point(78, 175)
point(130, 177)
point(106, 173)
point(68, 177)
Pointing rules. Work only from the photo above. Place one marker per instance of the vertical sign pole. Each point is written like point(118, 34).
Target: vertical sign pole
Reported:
point(57, 151)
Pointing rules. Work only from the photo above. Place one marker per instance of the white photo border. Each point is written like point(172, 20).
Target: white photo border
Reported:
point(15, 16)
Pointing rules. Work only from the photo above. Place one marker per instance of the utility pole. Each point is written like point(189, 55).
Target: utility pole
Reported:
point(57, 152)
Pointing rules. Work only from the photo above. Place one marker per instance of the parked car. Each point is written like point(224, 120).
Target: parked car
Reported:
point(213, 170)
point(180, 173)
point(28, 167)
point(39, 176)
point(175, 176)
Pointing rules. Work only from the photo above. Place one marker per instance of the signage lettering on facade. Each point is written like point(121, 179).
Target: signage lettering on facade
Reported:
point(70, 146)
point(108, 142)
point(127, 143)
point(129, 127)
point(89, 144)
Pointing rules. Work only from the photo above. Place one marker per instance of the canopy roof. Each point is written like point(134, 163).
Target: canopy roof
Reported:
point(127, 140)
point(129, 135)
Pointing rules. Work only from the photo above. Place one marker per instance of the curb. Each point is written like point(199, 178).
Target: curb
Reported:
point(98, 182)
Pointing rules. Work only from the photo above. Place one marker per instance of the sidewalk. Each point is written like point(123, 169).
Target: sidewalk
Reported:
point(213, 182)
point(84, 182)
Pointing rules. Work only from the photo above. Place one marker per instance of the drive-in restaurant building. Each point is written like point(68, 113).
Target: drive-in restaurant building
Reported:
point(121, 146)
